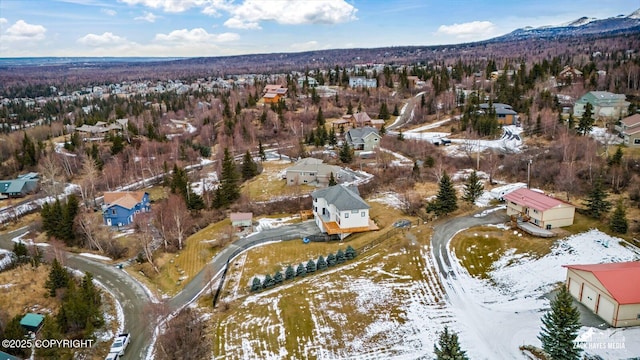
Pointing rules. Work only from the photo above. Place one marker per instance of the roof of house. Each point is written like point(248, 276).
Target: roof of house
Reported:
point(126, 199)
point(313, 164)
point(501, 109)
point(603, 98)
point(5, 356)
point(631, 121)
point(357, 135)
point(17, 185)
point(238, 216)
point(622, 280)
point(32, 320)
point(342, 197)
point(533, 199)
point(361, 117)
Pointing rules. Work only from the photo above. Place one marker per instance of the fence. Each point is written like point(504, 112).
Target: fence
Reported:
point(360, 250)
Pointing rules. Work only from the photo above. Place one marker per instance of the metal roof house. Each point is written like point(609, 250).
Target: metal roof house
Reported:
point(339, 210)
point(32, 322)
point(120, 208)
point(611, 291)
point(363, 139)
point(605, 105)
point(23, 185)
point(539, 209)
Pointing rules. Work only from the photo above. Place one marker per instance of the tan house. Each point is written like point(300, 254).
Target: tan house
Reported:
point(539, 209)
point(629, 130)
point(611, 291)
point(311, 171)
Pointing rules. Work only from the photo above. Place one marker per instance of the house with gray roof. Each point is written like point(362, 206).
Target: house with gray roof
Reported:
point(363, 139)
point(339, 210)
point(605, 105)
point(19, 187)
point(311, 171)
point(504, 113)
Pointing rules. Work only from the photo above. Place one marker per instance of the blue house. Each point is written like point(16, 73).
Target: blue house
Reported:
point(121, 207)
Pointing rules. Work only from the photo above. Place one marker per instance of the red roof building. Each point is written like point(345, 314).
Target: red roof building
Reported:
point(611, 291)
point(539, 209)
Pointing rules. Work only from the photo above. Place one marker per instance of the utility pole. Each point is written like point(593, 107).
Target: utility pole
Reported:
point(529, 174)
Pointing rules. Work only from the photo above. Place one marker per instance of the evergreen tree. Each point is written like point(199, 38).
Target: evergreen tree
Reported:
point(383, 130)
point(384, 112)
point(396, 111)
point(331, 260)
point(618, 222)
point(278, 278)
point(349, 108)
point(616, 159)
point(301, 271)
point(350, 253)
point(321, 264)
point(346, 154)
point(340, 257)
point(58, 278)
point(585, 124)
point(228, 191)
point(429, 162)
point(571, 122)
point(333, 139)
point(256, 285)
point(69, 212)
point(596, 202)
point(332, 180)
point(560, 328)
point(249, 167)
point(320, 118)
point(289, 273)
point(400, 135)
point(473, 188)
point(117, 145)
point(21, 251)
point(446, 200)
point(267, 282)
point(261, 152)
point(14, 331)
point(448, 347)
point(311, 266)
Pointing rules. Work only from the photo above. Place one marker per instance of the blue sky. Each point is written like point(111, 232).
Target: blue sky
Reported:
point(188, 28)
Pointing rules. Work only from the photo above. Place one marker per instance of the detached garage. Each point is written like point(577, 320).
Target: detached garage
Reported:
point(611, 291)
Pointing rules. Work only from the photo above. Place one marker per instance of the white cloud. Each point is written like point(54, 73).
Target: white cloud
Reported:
point(470, 29)
point(106, 39)
point(291, 12)
point(22, 31)
point(3, 21)
point(109, 12)
point(150, 17)
point(197, 35)
point(210, 7)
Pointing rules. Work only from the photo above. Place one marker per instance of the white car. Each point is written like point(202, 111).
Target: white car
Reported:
point(112, 356)
point(120, 344)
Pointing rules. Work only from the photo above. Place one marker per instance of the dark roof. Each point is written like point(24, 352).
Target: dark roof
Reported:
point(342, 197)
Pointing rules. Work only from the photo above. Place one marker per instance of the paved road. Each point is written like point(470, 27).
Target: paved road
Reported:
point(136, 302)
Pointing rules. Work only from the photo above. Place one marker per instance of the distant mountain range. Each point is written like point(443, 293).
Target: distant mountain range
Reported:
point(582, 26)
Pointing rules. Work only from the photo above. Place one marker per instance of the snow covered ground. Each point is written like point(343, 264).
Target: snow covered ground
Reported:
point(8, 213)
point(208, 182)
point(5, 258)
point(496, 316)
point(389, 198)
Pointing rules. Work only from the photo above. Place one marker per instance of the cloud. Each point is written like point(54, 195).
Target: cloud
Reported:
point(291, 12)
point(147, 17)
point(106, 39)
point(465, 30)
point(210, 7)
point(197, 35)
point(306, 46)
point(109, 12)
point(3, 21)
point(22, 31)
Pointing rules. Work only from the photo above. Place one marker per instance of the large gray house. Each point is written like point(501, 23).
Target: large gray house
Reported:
point(363, 139)
point(311, 171)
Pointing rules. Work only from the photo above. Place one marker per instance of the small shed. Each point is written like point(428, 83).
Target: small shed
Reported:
point(32, 322)
point(241, 220)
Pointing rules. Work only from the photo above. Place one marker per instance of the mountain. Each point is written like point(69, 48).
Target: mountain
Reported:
point(582, 26)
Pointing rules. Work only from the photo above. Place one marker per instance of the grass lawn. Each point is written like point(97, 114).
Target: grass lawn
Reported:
point(340, 310)
point(269, 184)
point(478, 248)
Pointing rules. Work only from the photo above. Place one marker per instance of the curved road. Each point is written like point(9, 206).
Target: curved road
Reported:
point(136, 302)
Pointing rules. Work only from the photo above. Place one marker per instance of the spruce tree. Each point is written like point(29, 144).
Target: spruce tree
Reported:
point(350, 253)
point(400, 135)
point(311, 266)
point(322, 263)
point(301, 271)
point(333, 140)
point(618, 222)
point(340, 257)
point(278, 278)
point(331, 260)
point(560, 328)
point(14, 331)
point(256, 285)
point(383, 130)
point(448, 347)
point(228, 191)
point(320, 118)
point(268, 281)
point(446, 200)
point(58, 278)
point(346, 155)
point(596, 202)
point(585, 124)
point(263, 155)
point(249, 167)
point(332, 180)
point(473, 188)
point(289, 273)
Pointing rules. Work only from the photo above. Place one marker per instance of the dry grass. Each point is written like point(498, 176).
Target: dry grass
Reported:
point(23, 291)
point(480, 247)
point(269, 184)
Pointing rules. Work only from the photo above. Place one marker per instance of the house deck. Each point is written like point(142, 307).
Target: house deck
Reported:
point(333, 228)
point(531, 229)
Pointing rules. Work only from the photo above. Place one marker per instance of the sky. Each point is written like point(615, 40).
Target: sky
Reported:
point(195, 28)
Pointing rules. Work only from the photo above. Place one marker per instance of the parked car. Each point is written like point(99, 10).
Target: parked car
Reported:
point(112, 356)
point(120, 344)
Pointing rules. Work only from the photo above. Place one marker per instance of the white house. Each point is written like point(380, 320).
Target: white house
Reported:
point(339, 210)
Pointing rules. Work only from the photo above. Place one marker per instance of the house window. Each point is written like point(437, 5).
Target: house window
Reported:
point(305, 181)
point(312, 174)
point(363, 214)
point(548, 226)
point(638, 317)
point(346, 215)
point(636, 141)
point(113, 211)
point(535, 211)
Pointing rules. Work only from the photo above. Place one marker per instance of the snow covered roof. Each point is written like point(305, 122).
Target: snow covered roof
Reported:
point(535, 200)
point(622, 279)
